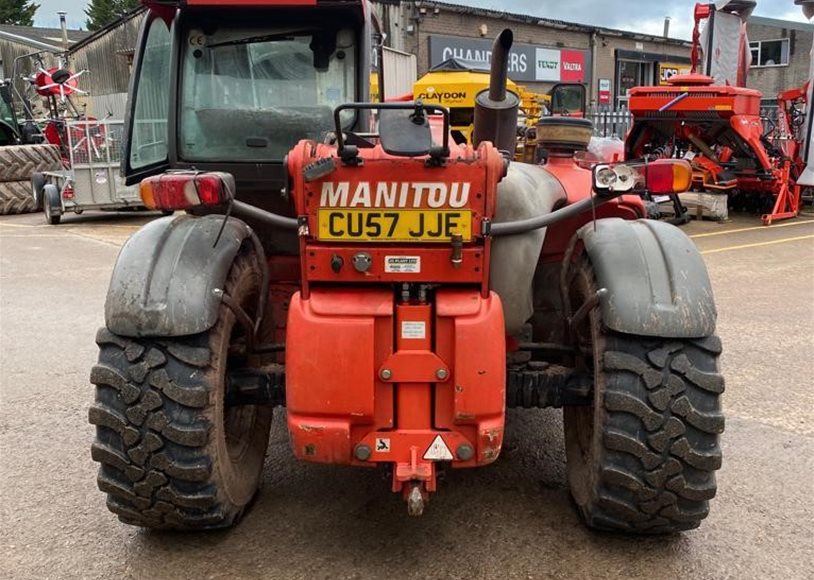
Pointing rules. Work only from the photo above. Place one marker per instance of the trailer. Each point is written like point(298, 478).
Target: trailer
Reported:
point(92, 180)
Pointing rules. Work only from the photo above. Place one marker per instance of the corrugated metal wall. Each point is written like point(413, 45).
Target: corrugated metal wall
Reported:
point(107, 59)
point(9, 51)
point(400, 72)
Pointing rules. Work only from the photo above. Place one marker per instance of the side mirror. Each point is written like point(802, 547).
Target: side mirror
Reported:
point(404, 132)
point(568, 99)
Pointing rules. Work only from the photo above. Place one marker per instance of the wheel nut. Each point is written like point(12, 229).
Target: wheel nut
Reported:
point(386, 374)
point(441, 374)
point(465, 452)
point(362, 452)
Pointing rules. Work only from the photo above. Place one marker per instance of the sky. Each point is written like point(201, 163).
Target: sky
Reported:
point(646, 16)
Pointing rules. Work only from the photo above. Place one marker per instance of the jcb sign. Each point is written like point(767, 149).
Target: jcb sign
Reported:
point(669, 70)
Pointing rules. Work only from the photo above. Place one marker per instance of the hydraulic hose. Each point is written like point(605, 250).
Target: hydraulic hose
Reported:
point(542, 221)
point(499, 229)
point(241, 208)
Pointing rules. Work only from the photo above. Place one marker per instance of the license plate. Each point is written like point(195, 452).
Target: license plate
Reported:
point(405, 225)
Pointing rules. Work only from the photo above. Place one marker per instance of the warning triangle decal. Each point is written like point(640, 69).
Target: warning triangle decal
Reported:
point(438, 450)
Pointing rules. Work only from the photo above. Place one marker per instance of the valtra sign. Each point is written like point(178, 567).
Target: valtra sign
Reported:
point(527, 62)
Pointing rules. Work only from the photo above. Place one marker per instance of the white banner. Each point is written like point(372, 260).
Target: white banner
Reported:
point(547, 62)
point(724, 48)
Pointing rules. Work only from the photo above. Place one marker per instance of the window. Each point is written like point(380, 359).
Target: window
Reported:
point(149, 131)
point(249, 94)
point(770, 52)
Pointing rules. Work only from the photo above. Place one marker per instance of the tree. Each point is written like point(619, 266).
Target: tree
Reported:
point(20, 12)
point(100, 13)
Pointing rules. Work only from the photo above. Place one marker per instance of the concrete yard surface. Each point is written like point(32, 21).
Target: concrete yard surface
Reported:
point(512, 519)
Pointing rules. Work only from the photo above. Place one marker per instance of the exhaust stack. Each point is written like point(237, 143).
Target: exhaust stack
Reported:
point(63, 25)
point(495, 107)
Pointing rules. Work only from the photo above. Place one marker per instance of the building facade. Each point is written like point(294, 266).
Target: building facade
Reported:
point(23, 49)
point(107, 55)
point(607, 61)
point(545, 51)
point(780, 55)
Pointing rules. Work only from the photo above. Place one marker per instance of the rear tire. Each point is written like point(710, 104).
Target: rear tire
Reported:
point(172, 456)
point(643, 457)
point(38, 182)
point(20, 162)
point(15, 197)
point(51, 204)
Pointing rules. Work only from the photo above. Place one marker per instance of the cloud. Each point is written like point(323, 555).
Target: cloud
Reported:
point(635, 15)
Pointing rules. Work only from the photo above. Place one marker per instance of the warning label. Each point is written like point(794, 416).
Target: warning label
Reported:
point(438, 450)
point(382, 445)
point(402, 264)
point(413, 329)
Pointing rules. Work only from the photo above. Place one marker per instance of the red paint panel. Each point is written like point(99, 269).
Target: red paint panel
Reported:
point(330, 348)
point(572, 66)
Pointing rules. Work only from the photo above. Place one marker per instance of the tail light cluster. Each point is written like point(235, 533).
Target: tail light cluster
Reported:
point(186, 189)
point(659, 177)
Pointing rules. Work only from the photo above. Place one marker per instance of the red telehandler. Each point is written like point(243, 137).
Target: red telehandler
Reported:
point(394, 290)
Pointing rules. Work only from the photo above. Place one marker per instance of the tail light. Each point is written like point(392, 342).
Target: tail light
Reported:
point(186, 189)
point(659, 177)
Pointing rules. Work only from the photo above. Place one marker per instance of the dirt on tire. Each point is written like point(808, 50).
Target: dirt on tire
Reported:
point(161, 428)
point(643, 458)
point(16, 198)
point(20, 162)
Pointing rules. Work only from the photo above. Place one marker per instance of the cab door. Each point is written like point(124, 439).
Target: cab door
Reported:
point(147, 137)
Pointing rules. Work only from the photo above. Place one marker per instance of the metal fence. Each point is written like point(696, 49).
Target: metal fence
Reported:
point(95, 143)
point(611, 123)
point(617, 123)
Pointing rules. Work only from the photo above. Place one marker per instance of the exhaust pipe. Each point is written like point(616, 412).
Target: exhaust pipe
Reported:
point(495, 107)
point(63, 25)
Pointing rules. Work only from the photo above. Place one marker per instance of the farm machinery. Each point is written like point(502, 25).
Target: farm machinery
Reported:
point(717, 125)
point(62, 159)
point(394, 290)
point(24, 148)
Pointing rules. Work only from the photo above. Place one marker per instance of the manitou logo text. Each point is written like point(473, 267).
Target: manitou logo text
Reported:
point(394, 194)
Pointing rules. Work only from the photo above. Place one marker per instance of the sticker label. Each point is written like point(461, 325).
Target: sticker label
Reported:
point(402, 264)
point(382, 445)
point(438, 450)
point(413, 329)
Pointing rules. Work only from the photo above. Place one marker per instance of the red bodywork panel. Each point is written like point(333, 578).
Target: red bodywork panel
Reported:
point(337, 397)
point(377, 370)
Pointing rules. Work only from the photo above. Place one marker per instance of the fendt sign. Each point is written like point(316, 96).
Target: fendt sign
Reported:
point(527, 62)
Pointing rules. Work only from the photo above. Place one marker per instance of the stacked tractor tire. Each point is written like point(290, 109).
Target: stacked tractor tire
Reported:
point(18, 163)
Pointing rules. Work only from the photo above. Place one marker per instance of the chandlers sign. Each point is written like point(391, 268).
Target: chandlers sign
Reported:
point(527, 62)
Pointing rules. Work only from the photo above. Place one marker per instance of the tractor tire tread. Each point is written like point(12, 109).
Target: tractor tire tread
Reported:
point(20, 162)
point(152, 436)
point(660, 453)
point(16, 197)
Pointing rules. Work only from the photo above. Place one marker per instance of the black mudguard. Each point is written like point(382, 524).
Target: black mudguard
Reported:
point(656, 280)
point(165, 276)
